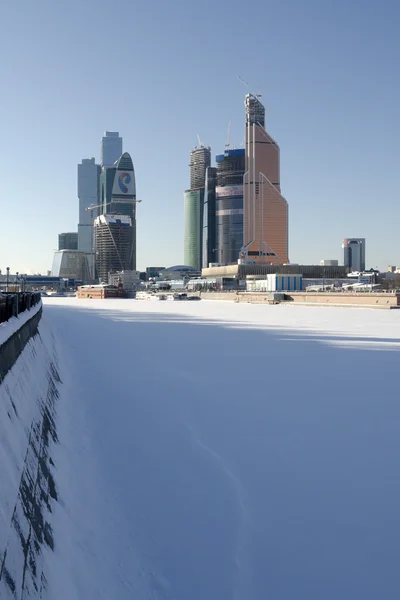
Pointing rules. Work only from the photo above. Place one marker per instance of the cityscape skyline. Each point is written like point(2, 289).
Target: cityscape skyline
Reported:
point(318, 97)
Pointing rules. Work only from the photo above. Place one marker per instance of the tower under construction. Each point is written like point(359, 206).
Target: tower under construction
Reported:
point(113, 244)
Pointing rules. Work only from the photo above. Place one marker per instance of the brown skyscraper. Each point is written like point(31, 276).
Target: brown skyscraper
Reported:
point(265, 235)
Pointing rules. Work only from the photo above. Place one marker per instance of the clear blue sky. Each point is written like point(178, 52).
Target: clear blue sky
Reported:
point(159, 73)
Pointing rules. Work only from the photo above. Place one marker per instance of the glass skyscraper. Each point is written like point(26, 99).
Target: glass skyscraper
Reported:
point(110, 148)
point(117, 195)
point(229, 205)
point(88, 194)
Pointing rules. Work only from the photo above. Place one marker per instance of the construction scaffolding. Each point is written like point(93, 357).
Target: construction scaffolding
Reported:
point(114, 244)
point(200, 159)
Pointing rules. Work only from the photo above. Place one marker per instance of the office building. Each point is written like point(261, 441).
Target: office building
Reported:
point(229, 206)
point(118, 196)
point(71, 264)
point(88, 194)
point(200, 160)
point(265, 209)
point(354, 254)
point(113, 234)
point(68, 241)
point(329, 262)
point(209, 232)
point(193, 227)
point(110, 148)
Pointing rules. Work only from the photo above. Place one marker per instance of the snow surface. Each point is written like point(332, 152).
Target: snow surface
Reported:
point(12, 325)
point(214, 451)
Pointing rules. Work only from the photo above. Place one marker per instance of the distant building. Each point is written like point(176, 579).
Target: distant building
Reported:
point(127, 279)
point(71, 264)
point(193, 227)
point(354, 254)
point(392, 269)
point(68, 241)
point(229, 206)
point(154, 271)
point(265, 209)
point(110, 148)
point(113, 244)
point(118, 195)
point(329, 263)
point(209, 232)
point(88, 194)
point(200, 161)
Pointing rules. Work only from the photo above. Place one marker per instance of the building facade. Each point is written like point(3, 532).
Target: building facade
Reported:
point(110, 148)
point(265, 216)
point(88, 194)
point(354, 254)
point(71, 264)
point(118, 196)
point(229, 205)
point(200, 160)
point(113, 235)
point(68, 241)
point(209, 227)
point(193, 227)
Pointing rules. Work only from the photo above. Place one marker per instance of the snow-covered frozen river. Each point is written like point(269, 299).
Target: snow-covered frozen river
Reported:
point(213, 451)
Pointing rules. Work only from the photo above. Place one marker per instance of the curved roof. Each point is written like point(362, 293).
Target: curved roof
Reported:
point(125, 162)
point(181, 268)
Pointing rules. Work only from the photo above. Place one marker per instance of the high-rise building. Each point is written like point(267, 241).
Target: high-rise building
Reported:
point(110, 148)
point(209, 233)
point(88, 194)
point(265, 209)
point(113, 243)
point(200, 160)
point(118, 195)
point(229, 205)
point(193, 227)
point(68, 241)
point(354, 254)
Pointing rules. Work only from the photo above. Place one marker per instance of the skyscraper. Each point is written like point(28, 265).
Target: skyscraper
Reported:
point(354, 253)
point(265, 209)
point(193, 227)
point(209, 237)
point(110, 148)
point(113, 241)
point(200, 160)
point(117, 196)
point(68, 241)
point(229, 205)
point(88, 194)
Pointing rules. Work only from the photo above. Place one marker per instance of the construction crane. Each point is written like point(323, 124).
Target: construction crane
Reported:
point(248, 87)
point(200, 142)
point(93, 207)
point(228, 137)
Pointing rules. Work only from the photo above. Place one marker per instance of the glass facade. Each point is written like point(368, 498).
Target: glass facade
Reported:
point(88, 194)
point(68, 241)
point(110, 148)
point(72, 264)
point(229, 205)
point(209, 231)
point(193, 230)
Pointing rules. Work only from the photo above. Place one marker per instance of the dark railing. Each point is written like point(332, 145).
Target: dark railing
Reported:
point(11, 305)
